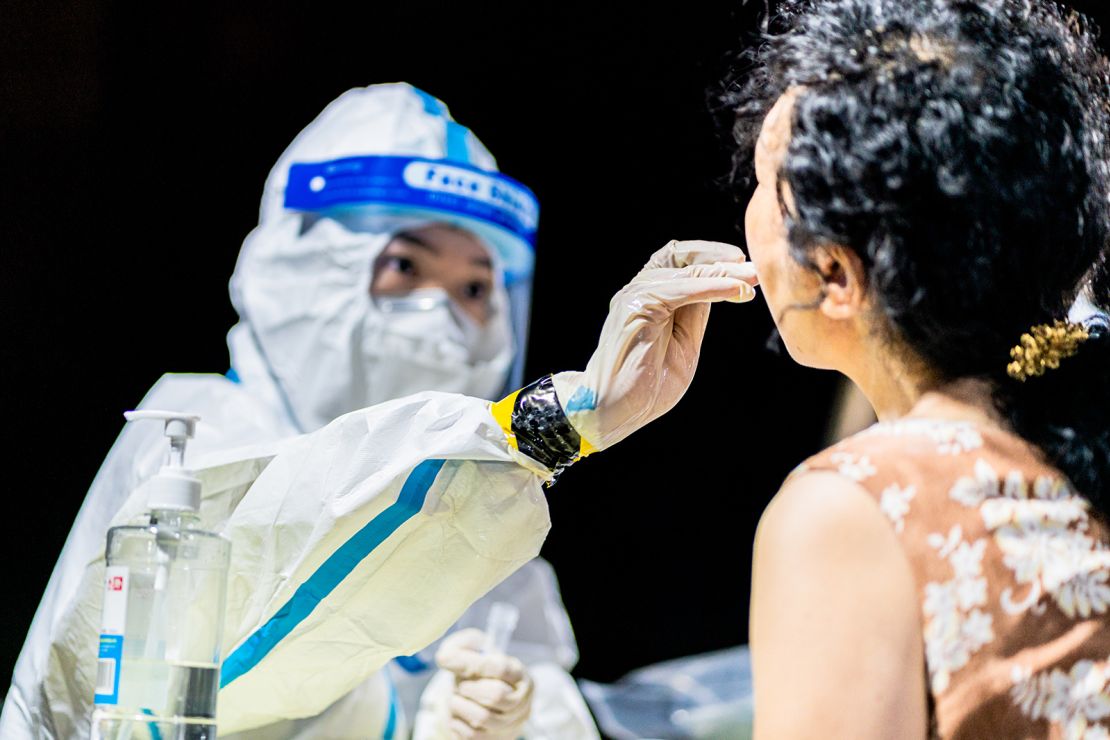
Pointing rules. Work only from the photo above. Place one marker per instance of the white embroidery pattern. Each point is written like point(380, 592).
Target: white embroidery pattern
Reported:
point(1074, 700)
point(895, 503)
point(1041, 531)
point(955, 627)
point(856, 467)
point(950, 437)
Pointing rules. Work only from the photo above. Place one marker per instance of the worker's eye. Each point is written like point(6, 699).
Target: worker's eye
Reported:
point(396, 263)
point(476, 290)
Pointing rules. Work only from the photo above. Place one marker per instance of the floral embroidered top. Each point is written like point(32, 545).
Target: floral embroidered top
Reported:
point(1011, 566)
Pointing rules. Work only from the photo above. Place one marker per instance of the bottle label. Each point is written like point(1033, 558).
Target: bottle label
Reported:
point(112, 624)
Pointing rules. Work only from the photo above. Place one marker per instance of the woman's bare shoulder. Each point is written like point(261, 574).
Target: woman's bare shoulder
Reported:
point(832, 591)
point(817, 505)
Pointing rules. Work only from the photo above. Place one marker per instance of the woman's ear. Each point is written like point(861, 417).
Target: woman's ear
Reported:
point(843, 281)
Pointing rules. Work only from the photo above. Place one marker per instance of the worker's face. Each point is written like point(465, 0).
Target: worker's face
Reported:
point(437, 256)
point(789, 288)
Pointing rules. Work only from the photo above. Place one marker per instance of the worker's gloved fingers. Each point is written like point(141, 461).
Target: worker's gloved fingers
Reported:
point(694, 251)
point(740, 271)
point(461, 730)
point(494, 694)
point(486, 722)
point(689, 327)
point(470, 664)
point(469, 639)
point(470, 712)
point(647, 299)
point(467, 665)
point(671, 288)
point(461, 654)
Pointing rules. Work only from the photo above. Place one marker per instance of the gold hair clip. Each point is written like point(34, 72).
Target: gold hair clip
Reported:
point(1043, 348)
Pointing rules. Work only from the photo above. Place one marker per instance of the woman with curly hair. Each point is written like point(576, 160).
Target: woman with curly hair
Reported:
point(932, 202)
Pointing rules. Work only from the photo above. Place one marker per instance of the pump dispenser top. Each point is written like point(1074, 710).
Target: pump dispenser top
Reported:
point(174, 488)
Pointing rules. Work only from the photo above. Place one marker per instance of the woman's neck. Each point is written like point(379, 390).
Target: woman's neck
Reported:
point(964, 399)
point(897, 388)
point(892, 385)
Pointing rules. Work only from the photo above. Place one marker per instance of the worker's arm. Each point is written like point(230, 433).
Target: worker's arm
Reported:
point(364, 541)
point(394, 519)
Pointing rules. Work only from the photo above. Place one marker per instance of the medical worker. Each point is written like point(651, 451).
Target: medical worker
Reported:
point(390, 258)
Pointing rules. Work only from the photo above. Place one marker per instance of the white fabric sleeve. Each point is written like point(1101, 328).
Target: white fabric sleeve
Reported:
point(365, 541)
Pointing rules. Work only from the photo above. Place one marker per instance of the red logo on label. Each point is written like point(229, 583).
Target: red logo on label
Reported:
point(115, 583)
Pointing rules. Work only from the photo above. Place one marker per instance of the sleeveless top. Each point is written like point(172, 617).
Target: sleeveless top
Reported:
point(1011, 567)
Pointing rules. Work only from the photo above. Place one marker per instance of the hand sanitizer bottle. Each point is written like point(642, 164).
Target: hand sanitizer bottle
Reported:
point(162, 621)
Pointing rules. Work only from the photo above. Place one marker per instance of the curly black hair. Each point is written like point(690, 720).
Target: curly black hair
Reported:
point(962, 149)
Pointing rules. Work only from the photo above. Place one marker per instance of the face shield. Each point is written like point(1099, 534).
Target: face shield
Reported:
point(306, 282)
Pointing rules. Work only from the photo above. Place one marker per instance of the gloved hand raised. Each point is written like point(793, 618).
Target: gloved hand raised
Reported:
point(651, 340)
point(493, 692)
point(644, 361)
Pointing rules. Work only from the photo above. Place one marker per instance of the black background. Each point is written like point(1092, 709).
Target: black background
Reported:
point(134, 142)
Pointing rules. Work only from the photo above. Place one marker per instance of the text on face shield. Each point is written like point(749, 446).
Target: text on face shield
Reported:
point(469, 184)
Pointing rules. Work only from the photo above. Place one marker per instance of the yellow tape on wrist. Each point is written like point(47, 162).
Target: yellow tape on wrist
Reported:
point(503, 413)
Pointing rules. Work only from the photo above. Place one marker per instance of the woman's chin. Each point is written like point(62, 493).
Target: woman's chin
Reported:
point(808, 358)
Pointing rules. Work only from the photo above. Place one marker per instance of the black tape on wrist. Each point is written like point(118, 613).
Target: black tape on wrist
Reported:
point(542, 430)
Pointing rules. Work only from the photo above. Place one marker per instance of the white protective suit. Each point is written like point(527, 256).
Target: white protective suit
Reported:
point(311, 345)
point(367, 539)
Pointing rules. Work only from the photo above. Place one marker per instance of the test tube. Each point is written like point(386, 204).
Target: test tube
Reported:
point(500, 625)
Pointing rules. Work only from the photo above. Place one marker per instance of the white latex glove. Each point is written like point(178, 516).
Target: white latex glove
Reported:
point(493, 692)
point(651, 340)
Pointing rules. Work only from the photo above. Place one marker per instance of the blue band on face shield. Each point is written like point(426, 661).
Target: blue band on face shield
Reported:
point(362, 190)
point(416, 183)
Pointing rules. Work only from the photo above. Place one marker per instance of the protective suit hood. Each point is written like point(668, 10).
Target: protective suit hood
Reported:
point(377, 161)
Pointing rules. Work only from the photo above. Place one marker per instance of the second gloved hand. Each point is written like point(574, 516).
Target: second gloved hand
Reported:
point(651, 340)
point(493, 692)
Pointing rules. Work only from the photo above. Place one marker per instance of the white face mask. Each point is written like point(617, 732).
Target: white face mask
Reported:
point(424, 341)
point(429, 314)
point(333, 349)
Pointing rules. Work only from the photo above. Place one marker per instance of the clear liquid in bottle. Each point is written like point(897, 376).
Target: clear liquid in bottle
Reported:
point(158, 666)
